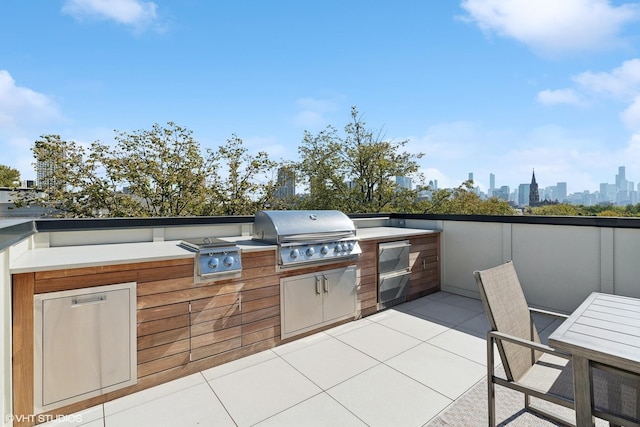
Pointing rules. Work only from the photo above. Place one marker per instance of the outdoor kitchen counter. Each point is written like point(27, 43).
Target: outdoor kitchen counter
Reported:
point(377, 233)
point(64, 257)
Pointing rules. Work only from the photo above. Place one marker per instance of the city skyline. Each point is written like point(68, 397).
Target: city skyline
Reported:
point(475, 85)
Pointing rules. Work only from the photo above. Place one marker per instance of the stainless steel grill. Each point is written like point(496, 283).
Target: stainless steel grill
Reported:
point(308, 237)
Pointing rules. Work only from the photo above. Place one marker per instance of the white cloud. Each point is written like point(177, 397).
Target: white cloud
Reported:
point(313, 112)
point(554, 26)
point(560, 96)
point(21, 106)
point(631, 115)
point(622, 82)
point(134, 13)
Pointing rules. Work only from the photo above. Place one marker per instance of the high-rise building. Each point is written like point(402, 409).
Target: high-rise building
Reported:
point(561, 191)
point(492, 181)
point(286, 183)
point(621, 179)
point(534, 197)
point(523, 194)
point(404, 182)
point(45, 170)
point(470, 176)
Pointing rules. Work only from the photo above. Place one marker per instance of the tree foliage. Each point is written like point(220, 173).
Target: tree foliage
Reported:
point(9, 177)
point(156, 172)
point(355, 172)
point(463, 201)
point(241, 182)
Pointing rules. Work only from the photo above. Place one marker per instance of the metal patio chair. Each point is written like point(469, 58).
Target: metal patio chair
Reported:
point(530, 366)
point(538, 370)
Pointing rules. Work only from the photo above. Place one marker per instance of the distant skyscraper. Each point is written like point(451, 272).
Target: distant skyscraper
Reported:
point(492, 181)
point(470, 176)
point(621, 179)
point(561, 191)
point(286, 183)
point(45, 169)
point(523, 194)
point(534, 197)
point(404, 182)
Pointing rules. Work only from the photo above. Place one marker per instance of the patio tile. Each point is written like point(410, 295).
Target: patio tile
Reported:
point(151, 394)
point(436, 296)
point(301, 343)
point(439, 369)
point(478, 325)
point(238, 364)
point(329, 362)
point(444, 313)
point(385, 397)
point(378, 341)
point(263, 390)
point(412, 325)
point(196, 405)
point(318, 411)
point(464, 302)
point(348, 327)
point(464, 344)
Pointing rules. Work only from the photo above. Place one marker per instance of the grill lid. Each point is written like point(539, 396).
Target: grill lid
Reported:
point(302, 226)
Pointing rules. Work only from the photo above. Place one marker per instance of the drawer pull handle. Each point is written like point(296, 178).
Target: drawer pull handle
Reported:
point(93, 299)
point(317, 285)
point(325, 281)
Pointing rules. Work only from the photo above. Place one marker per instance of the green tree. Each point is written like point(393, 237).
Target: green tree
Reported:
point(240, 183)
point(557, 210)
point(162, 170)
point(463, 201)
point(9, 177)
point(355, 172)
point(157, 172)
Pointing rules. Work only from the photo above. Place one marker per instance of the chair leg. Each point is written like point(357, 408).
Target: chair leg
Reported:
point(491, 387)
point(492, 402)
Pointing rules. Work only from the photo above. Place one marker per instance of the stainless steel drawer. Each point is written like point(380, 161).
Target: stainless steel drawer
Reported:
point(393, 256)
point(393, 286)
point(85, 344)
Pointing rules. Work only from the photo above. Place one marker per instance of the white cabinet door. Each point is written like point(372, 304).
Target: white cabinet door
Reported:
point(301, 303)
point(339, 289)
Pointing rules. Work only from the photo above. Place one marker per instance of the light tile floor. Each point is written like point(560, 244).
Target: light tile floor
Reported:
point(399, 367)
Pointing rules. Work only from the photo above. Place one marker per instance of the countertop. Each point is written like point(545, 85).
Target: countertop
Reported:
point(57, 258)
point(373, 233)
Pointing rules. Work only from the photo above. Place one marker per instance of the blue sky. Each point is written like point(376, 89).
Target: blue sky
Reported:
point(482, 86)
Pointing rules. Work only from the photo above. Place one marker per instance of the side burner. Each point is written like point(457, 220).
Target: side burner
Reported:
point(215, 258)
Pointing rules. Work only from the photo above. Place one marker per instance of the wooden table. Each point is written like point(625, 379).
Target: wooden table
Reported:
point(604, 329)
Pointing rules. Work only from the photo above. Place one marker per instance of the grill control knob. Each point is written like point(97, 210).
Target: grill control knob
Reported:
point(338, 248)
point(310, 251)
point(324, 250)
point(294, 254)
point(228, 261)
point(213, 263)
point(351, 246)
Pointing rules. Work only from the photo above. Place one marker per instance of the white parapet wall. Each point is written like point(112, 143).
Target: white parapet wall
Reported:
point(558, 265)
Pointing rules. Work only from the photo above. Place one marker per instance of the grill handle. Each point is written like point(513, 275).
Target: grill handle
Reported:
point(316, 237)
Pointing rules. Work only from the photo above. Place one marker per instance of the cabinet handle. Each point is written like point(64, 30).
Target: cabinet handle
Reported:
point(92, 299)
point(325, 282)
point(317, 285)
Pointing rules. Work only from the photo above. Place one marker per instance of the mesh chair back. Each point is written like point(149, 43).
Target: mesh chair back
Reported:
point(508, 312)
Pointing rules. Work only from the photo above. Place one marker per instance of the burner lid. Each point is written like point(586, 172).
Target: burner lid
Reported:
point(206, 242)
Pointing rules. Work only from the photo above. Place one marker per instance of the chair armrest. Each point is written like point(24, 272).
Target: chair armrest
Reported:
point(548, 313)
point(501, 336)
